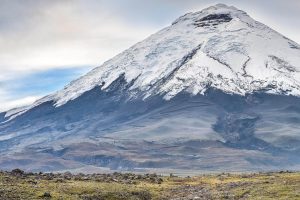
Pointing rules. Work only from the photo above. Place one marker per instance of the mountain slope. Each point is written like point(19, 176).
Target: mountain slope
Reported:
point(220, 47)
point(212, 89)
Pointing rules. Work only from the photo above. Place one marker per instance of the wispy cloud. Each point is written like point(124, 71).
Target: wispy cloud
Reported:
point(9, 104)
point(38, 35)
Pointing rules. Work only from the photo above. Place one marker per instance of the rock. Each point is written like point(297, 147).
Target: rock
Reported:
point(115, 180)
point(47, 195)
point(60, 180)
point(67, 175)
point(33, 182)
point(17, 172)
point(159, 181)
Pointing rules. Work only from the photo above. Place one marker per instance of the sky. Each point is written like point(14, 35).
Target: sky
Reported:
point(46, 44)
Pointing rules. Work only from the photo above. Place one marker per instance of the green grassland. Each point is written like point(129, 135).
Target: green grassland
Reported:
point(19, 185)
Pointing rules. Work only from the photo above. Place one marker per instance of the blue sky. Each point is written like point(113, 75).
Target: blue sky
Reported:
point(26, 88)
point(42, 82)
point(45, 44)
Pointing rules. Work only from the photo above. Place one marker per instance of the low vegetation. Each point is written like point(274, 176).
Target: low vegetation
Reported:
point(19, 185)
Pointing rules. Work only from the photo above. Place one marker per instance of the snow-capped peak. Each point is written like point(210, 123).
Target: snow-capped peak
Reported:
point(220, 47)
point(217, 9)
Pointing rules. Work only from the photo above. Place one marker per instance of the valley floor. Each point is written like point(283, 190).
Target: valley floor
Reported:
point(116, 186)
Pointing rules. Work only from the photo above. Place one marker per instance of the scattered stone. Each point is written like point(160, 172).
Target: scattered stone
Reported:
point(33, 182)
point(47, 195)
point(17, 172)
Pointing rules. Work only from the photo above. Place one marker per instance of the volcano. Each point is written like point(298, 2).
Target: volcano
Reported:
point(214, 91)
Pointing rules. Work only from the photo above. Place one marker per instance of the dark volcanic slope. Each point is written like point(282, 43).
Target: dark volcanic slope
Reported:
point(215, 131)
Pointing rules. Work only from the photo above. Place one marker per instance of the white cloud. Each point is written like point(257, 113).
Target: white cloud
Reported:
point(64, 34)
point(9, 104)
